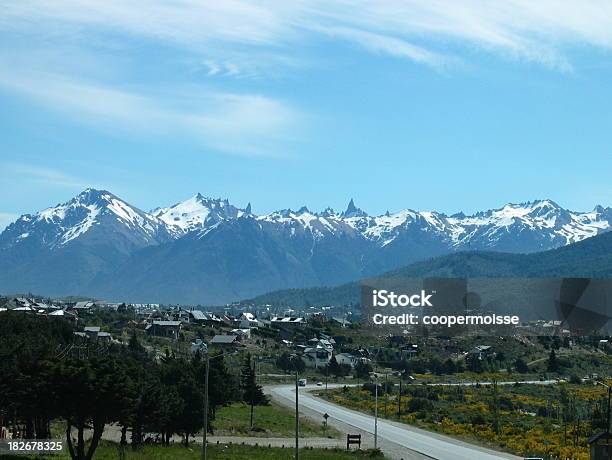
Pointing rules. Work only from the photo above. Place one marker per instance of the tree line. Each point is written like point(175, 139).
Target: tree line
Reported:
point(44, 380)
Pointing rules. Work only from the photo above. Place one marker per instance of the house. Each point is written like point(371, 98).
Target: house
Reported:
point(326, 343)
point(347, 358)
point(208, 319)
point(229, 321)
point(104, 337)
point(342, 321)
point(317, 357)
point(81, 336)
point(43, 307)
point(181, 315)
point(19, 304)
point(247, 321)
point(213, 320)
point(199, 345)
point(410, 350)
point(170, 329)
point(482, 351)
point(288, 322)
point(94, 334)
point(92, 331)
point(83, 307)
point(225, 341)
point(63, 314)
point(350, 359)
point(197, 316)
point(241, 333)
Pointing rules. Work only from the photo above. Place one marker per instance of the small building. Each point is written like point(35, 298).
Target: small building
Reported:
point(242, 333)
point(83, 307)
point(350, 359)
point(317, 357)
point(92, 331)
point(197, 316)
point(17, 303)
point(410, 350)
point(288, 322)
point(199, 345)
point(63, 314)
point(600, 446)
point(247, 321)
point(482, 351)
point(225, 341)
point(104, 337)
point(170, 329)
point(326, 343)
point(347, 359)
point(342, 321)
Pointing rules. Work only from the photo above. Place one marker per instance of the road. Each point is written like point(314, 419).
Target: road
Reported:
point(397, 440)
point(512, 382)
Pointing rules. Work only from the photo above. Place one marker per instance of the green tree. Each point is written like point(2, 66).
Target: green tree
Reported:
point(363, 369)
point(553, 362)
point(521, 366)
point(90, 393)
point(252, 393)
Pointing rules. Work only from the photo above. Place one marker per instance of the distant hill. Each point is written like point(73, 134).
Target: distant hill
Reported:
point(591, 258)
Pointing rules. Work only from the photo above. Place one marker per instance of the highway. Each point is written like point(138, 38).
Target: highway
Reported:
point(393, 437)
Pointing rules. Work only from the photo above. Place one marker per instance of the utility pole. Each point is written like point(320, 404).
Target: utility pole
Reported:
point(297, 418)
point(205, 407)
point(376, 412)
point(253, 394)
point(326, 374)
point(399, 398)
point(206, 399)
point(386, 393)
point(609, 398)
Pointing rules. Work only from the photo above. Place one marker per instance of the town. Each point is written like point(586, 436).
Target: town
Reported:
point(437, 383)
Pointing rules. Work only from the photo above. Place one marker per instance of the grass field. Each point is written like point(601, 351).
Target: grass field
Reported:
point(110, 451)
point(268, 421)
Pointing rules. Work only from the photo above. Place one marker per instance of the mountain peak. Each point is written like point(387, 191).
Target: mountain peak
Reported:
point(327, 212)
point(92, 196)
point(196, 213)
point(353, 211)
point(546, 203)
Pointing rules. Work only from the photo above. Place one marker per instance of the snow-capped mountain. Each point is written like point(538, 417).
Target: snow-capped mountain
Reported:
point(206, 250)
point(89, 214)
point(197, 213)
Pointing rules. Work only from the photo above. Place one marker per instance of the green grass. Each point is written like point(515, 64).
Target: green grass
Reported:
point(109, 451)
point(268, 421)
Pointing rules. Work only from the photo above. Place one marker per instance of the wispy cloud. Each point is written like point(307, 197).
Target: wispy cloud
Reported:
point(412, 29)
point(46, 176)
point(384, 44)
point(246, 38)
point(245, 124)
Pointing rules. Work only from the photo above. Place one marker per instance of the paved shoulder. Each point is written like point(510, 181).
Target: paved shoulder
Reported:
point(420, 443)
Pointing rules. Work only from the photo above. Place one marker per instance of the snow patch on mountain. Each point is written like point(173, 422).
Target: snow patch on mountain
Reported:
point(196, 214)
point(523, 227)
point(59, 225)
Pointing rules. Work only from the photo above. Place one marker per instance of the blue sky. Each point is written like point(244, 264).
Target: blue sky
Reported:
point(461, 105)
